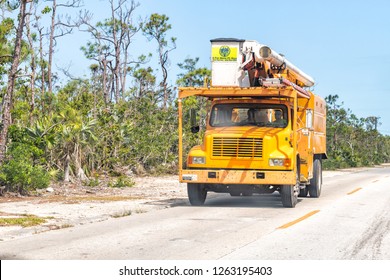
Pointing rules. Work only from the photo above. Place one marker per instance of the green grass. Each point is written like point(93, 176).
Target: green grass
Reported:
point(25, 221)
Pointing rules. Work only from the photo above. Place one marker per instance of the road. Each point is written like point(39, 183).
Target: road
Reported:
point(351, 220)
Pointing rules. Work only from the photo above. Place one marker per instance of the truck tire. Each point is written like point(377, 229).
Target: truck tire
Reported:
point(316, 182)
point(289, 197)
point(289, 193)
point(303, 192)
point(196, 194)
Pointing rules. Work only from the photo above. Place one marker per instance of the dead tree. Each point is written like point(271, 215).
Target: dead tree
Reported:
point(12, 75)
point(65, 27)
point(111, 47)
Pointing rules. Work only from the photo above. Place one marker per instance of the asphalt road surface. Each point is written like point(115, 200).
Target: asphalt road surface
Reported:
point(351, 220)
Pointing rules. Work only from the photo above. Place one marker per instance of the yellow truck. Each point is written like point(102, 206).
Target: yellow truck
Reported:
point(265, 131)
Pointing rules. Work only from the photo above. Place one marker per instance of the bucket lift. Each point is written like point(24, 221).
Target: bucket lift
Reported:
point(244, 63)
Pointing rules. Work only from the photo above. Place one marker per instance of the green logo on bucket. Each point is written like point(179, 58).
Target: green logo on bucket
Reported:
point(224, 51)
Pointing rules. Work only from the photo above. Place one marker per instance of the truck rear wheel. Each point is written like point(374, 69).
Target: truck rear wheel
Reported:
point(316, 182)
point(303, 192)
point(196, 193)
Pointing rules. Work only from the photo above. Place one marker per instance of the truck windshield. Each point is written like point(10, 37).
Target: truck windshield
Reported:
point(261, 115)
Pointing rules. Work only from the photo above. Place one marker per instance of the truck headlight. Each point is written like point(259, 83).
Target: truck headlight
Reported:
point(279, 162)
point(197, 160)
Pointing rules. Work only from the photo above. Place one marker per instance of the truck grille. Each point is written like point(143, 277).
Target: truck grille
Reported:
point(237, 147)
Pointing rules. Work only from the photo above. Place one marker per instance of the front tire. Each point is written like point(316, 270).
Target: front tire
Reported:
point(288, 195)
point(197, 193)
point(316, 182)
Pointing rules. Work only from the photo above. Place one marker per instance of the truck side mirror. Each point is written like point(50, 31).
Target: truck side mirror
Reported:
point(195, 129)
point(194, 126)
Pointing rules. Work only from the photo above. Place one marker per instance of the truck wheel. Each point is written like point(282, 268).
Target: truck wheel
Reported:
point(316, 182)
point(303, 192)
point(196, 193)
point(289, 197)
point(289, 193)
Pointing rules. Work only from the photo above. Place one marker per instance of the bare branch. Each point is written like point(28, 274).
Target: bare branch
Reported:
point(66, 71)
point(72, 4)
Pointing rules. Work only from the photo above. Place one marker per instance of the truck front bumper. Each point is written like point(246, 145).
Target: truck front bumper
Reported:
point(255, 177)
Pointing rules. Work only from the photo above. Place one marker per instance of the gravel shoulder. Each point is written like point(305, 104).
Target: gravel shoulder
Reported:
point(68, 205)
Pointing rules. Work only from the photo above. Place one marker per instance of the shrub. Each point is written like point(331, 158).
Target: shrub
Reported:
point(122, 182)
point(19, 173)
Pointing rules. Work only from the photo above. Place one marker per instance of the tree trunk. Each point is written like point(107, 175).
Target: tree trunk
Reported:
point(8, 96)
point(163, 61)
point(124, 73)
point(117, 53)
point(51, 47)
point(104, 86)
point(32, 66)
point(79, 170)
point(67, 168)
point(42, 65)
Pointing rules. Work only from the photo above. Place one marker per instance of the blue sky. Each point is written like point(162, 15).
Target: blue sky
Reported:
point(343, 45)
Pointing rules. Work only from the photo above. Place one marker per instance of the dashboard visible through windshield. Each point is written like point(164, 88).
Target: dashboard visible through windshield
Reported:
point(261, 115)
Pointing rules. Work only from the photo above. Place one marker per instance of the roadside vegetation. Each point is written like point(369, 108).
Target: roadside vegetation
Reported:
point(353, 141)
point(122, 119)
point(22, 220)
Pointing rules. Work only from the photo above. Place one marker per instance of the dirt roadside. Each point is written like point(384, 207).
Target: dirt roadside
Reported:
point(70, 205)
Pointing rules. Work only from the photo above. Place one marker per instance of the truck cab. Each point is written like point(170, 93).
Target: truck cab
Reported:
point(245, 134)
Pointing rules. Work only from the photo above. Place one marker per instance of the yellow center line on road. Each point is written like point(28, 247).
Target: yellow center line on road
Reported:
point(355, 190)
point(299, 220)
